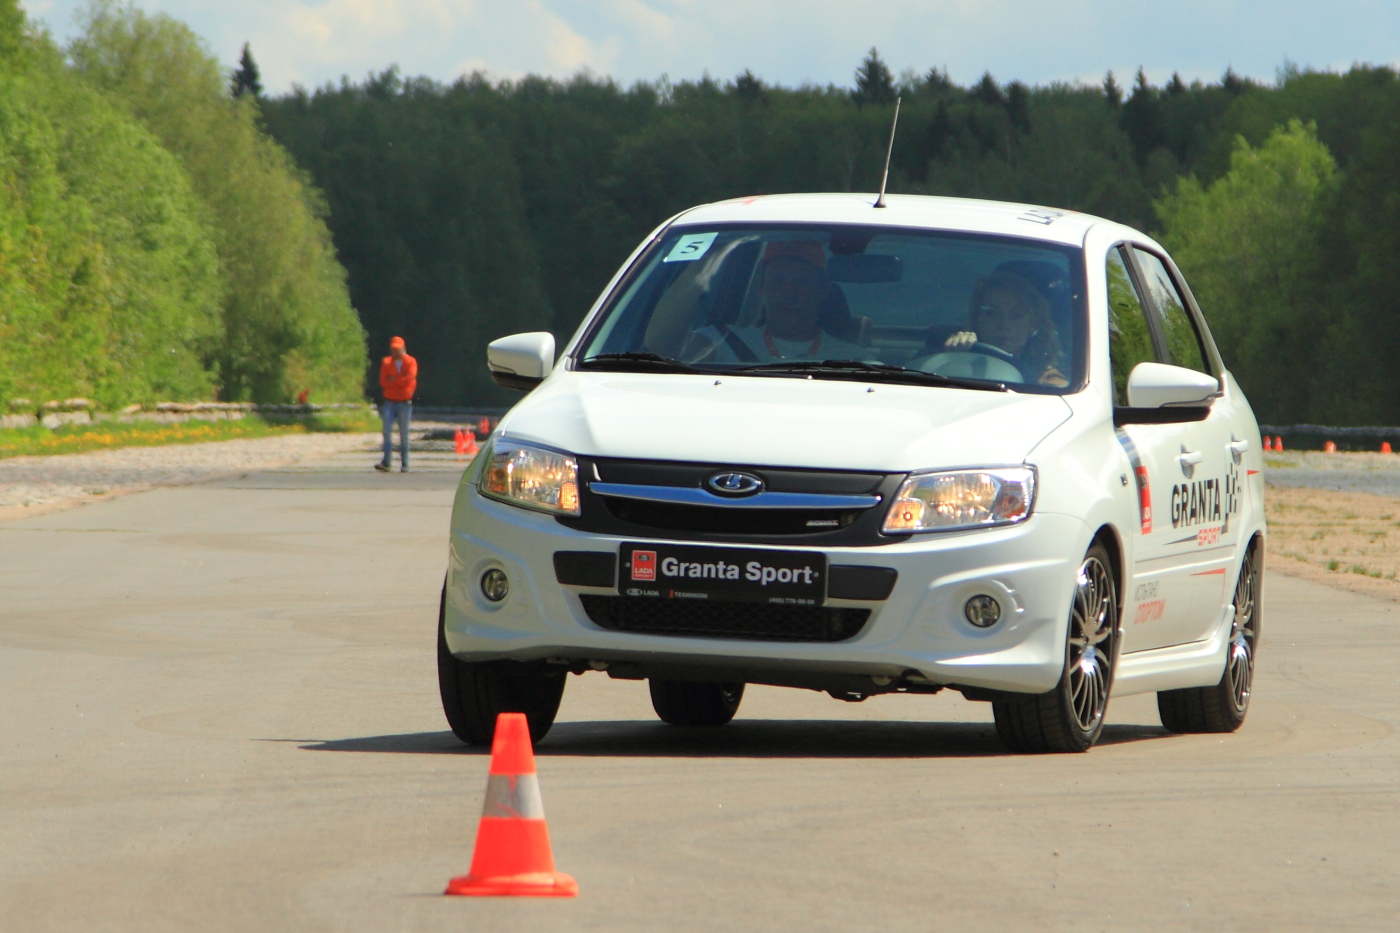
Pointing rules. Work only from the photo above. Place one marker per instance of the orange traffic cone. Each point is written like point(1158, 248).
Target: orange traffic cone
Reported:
point(459, 442)
point(469, 445)
point(1385, 447)
point(1268, 442)
point(1330, 447)
point(1278, 443)
point(513, 857)
point(483, 427)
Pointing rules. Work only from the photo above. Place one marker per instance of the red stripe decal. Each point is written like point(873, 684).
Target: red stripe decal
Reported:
point(1209, 573)
point(1252, 472)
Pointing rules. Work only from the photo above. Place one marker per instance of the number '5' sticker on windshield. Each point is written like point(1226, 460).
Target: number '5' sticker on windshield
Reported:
point(689, 247)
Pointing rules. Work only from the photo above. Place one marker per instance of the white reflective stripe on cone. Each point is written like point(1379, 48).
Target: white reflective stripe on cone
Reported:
point(513, 796)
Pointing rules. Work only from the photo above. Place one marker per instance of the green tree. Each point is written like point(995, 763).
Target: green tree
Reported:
point(1112, 91)
point(874, 83)
point(1248, 245)
point(430, 220)
point(12, 25)
point(748, 87)
point(1018, 106)
point(108, 280)
point(246, 79)
point(989, 92)
point(287, 320)
point(1142, 118)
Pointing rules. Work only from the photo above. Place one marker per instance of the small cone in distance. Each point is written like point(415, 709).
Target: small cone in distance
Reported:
point(1385, 447)
point(1278, 443)
point(483, 427)
point(1268, 442)
point(1330, 447)
point(513, 856)
point(469, 444)
point(459, 441)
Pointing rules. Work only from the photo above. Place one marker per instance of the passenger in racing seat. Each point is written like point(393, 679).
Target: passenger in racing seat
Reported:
point(1009, 314)
point(797, 301)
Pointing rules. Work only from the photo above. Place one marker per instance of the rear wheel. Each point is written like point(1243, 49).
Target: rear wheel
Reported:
point(474, 694)
point(1222, 708)
point(682, 703)
point(1069, 718)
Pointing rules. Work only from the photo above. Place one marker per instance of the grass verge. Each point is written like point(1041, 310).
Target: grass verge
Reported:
point(72, 439)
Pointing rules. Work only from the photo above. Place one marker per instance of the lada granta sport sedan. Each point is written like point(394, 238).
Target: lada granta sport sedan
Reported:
point(804, 441)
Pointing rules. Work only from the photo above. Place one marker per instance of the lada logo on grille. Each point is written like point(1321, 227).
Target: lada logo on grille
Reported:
point(735, 484)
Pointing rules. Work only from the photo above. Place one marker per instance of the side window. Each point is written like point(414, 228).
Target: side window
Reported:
point(1129, 340)
point(1183, 343)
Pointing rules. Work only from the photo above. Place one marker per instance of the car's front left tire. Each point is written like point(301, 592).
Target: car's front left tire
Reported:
point(475, 693)
point(1069, 718)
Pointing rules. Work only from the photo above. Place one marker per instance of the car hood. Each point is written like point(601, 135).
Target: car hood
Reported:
point(764, 421)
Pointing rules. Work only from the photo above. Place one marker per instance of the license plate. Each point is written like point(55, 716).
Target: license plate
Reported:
point(790, 578)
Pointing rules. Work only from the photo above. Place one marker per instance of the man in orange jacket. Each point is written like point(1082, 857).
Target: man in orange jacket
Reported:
point(398, 377)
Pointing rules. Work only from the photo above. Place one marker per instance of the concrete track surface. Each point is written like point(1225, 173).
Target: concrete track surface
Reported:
point(218, 711)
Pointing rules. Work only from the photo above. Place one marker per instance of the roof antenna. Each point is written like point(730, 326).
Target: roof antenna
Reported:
point(884, 179)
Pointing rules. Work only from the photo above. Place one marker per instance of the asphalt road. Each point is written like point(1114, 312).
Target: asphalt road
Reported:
point(218, 711)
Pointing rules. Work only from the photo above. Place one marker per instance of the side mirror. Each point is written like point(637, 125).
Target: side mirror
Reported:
point(521, 361)
point(1157, 385)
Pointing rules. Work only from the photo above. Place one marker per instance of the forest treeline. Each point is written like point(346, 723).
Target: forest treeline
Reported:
point(474, 209)
point(168, 233)
point(155, 242)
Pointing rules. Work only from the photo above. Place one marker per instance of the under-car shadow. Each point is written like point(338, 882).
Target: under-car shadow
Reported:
point(752, 738)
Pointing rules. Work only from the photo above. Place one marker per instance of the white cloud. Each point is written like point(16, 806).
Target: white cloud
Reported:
point(783, 41)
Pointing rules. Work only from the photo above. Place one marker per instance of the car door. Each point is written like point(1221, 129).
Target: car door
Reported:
point(1158, 597)
point(1192, 473)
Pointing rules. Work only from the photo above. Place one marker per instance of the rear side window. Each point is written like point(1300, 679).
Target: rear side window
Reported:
point(1129, 339)
point(1183, 343)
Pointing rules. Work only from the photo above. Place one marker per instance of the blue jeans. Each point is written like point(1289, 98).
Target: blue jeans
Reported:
point(402, 412)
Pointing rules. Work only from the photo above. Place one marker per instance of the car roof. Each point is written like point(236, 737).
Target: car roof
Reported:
point(902, 210)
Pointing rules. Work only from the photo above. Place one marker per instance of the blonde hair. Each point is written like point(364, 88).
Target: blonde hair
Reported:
point(1043, 348)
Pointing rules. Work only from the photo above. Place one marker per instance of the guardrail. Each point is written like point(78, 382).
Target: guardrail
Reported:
point(83, 411)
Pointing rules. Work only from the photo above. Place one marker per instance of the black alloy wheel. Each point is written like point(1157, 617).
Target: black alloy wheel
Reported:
point(1069, 717)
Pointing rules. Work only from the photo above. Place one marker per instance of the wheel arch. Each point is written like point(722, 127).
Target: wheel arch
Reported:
point(1113, 543)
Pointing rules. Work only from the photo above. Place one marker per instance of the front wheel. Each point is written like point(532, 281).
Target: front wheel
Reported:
point(474, 694)
point(1222, 708)
point(682, 703)
point(1069, 718)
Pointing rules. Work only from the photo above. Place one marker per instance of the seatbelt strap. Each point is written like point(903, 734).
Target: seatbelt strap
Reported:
point(742, 350)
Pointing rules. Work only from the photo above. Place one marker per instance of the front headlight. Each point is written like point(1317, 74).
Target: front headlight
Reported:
point(965, 499)
point(531, 477)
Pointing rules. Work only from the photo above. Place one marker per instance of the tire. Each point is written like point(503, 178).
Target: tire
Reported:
point(474, 694)
point(1069, 718)
point(682, 703)
point(1222, 708)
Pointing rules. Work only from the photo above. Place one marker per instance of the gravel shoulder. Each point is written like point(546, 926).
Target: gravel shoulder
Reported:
point(1335, 519)
point(1378, 474)
point(35, 485)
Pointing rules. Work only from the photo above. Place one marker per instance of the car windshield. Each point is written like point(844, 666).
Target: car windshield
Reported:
point(844, 301)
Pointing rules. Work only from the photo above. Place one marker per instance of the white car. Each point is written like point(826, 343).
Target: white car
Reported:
point(805, 441)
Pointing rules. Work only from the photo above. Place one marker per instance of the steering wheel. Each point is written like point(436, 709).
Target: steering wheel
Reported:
point(986, 349)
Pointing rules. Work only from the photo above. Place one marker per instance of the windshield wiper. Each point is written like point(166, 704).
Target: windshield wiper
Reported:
point(636, 361)
point(860, 369)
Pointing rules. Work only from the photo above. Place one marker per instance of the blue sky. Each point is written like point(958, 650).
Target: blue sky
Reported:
point(783, 41)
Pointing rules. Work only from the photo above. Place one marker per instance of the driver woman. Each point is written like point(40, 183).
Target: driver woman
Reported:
point(1009, 314)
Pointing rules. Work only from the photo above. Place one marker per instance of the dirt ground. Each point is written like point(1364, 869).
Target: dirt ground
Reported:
point(1346, 539)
